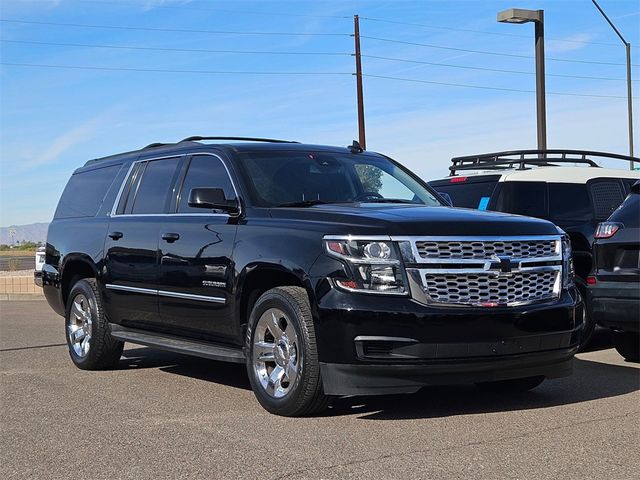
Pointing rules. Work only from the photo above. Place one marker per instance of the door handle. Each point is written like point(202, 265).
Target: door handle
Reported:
point(170, 237)
point(115, 235)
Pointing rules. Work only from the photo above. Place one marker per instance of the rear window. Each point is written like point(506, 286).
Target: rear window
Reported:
point(523, 198)
point(467, 193)
point(85, 191)
point(607, 196)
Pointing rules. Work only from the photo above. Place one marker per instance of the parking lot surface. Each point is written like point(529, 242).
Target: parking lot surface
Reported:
point(163, 415)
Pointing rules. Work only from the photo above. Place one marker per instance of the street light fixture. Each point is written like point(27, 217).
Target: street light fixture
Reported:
point(519, 15)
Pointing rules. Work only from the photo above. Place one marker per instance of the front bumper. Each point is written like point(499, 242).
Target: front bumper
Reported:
point(37, 278)
point(340, 379)
point(371, 344)
point(616, 305)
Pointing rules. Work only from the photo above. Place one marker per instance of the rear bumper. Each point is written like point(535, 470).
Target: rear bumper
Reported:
point(616, 305)
point(340, 379)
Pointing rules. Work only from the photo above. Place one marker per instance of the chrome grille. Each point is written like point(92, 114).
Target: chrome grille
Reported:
point(483, 271)
point(490, 289)
point(486, 250)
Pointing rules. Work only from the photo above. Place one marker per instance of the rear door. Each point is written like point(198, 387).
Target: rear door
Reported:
point(195, 251)
point(131, 260)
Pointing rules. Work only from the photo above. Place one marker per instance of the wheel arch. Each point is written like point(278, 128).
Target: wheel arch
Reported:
point(75, 267)
point(256, 279)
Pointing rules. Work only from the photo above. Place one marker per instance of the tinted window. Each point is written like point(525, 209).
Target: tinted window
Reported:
point(569, 202)
point(204, 171)
point(629, 212)
point(523, 198)
point(153, 190)
point(607, 196)
point(469, 194)
point(377, 181)
point(83, 195)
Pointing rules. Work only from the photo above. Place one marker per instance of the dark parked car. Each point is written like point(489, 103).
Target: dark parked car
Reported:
point(567, 187)
point(615, 283)
point(328, 271)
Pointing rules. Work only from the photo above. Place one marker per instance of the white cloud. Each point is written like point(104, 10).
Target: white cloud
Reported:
point(570, 43)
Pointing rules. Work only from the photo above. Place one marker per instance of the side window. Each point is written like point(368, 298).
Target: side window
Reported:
point(469, 194)
point(204, 171)
point(569, 202)
point(607, 196)
point(85, 191)
point(152, 192)
point(376, 180)
point(523, 198)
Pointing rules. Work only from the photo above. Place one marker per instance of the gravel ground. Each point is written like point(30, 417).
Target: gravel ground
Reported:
point(165, 416)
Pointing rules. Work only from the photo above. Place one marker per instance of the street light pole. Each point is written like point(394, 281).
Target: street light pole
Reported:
point(519, 15)
point(627, 47)
point(541, 107)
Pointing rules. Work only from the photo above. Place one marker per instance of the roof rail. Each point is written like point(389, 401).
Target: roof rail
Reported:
point(157, 144)
point(244, 139)
point(523, 159)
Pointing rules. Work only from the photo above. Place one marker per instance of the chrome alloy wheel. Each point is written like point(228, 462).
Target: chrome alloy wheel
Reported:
point(79, 326)
point(277, 355)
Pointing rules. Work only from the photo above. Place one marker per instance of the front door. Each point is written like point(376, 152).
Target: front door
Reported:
point(196, 266)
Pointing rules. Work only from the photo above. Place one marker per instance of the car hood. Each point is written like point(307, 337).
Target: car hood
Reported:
point(388, 219)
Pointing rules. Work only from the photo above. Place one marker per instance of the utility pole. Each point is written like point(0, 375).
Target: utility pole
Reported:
point(627, 47)
point(356, 36)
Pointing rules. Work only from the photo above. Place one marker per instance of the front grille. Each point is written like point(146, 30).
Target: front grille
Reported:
point(487, 250)
point(483, 271)
point(491, 289)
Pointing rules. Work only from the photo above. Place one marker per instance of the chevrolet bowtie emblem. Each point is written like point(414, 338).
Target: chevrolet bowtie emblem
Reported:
point(503, 264)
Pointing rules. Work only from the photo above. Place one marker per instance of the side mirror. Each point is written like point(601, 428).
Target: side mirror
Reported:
point(447, 198)
point(212, 198)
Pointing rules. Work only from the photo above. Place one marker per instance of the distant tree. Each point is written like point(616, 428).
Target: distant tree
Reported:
point(371, 177)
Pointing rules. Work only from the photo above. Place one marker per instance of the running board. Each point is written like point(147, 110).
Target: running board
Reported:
point(178, 344)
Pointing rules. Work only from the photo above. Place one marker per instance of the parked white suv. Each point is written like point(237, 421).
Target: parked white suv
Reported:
point(567, 187)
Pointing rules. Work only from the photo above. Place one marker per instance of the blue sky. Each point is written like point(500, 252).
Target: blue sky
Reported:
point(54, 119)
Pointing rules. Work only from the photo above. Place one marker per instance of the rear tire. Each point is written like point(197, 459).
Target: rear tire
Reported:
point(587, 318)
point(627, 344)
point(91, 346)
point(516, 385)
point(282, 357)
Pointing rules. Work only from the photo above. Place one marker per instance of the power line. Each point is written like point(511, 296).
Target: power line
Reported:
point(168, 49)
point(486, 69)
point(203, 9)
point(484, 52)
point(483, 87)
point(166, 70)
point(485, 32)
point(177, 30)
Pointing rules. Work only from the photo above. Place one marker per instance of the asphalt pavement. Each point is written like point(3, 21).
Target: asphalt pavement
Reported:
point(166, 416)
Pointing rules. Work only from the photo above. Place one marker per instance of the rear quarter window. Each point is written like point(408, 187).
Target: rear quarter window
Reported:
point(85, 192)
point(607, 196)
point(523, 198)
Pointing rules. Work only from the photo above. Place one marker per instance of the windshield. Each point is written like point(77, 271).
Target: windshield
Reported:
point(281, 179)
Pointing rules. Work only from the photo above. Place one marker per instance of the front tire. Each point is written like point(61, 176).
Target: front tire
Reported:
point(627, 344)
point(516, 385)
point(282, 357)
point(91, 346)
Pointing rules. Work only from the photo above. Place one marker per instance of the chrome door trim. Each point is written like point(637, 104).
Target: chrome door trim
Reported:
point(191, 296)
point(166, 293)
point(125, 288)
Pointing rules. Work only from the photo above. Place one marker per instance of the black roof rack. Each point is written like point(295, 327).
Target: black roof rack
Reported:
point(243, 139)
point(524, 159)
point(157, 144)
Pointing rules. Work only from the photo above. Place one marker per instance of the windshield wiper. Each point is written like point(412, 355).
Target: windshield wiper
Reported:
point(303, 203)
point(389, 200)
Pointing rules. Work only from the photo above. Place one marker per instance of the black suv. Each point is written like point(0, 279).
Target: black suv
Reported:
point(328, 271)
point(615, 283)
point(567, 187)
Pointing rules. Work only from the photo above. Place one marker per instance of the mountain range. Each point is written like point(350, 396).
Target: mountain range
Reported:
point(34, 232)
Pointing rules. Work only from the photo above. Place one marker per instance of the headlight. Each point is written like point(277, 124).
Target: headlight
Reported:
point(568, 272)
point(374, 264)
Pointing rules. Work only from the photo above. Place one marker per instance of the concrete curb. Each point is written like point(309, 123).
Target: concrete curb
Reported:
point(18, 297)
